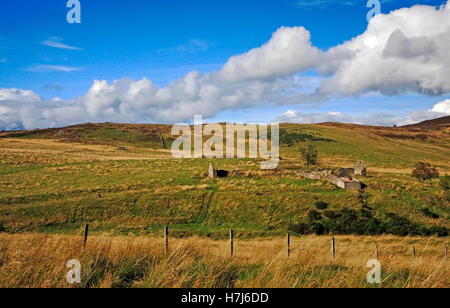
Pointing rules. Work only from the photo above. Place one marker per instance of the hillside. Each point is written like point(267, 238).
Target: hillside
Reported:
point(121, 180)
point(439, 123)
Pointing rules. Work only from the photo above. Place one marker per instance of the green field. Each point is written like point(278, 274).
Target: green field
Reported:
point(120, 180)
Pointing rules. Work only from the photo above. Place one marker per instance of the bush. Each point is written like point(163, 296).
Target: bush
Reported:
point(352, 222)
point(439, 231)
point(289, 139)
point(362, 222)
point(308, 228)
point(445, 182)
point(300, 228)
point(331, 214)
point(428, 213)
point(316, 228)
point(314, 215)
point(424, 171)
point(321, 205)
point(366, 211)
point(445, 185)
point(400, 226)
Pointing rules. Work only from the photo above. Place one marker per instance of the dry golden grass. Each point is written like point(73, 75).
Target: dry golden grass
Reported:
point(50, 151)
point(35, 260)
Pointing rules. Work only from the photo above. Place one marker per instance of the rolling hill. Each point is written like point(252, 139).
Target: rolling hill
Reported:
point(122, 179)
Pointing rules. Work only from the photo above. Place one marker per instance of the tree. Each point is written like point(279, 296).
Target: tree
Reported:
point(309, 155)
point(424, 171)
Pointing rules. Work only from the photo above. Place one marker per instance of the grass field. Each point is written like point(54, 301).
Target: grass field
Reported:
point(123, 182)
point(37, 260)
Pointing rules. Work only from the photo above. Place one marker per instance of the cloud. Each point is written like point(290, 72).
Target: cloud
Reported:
point(321, 4)
point(193, 46)
point(142, 101)
point(56, 42)
point(179, 101)
point(288, 51)
point(53, 68)
point(52, 87)
point(442, 107)
point(404, 51)
point(381, 119)
point(396, 54)
point(401, 52)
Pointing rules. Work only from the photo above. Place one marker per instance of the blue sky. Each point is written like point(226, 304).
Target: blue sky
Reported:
point(163, 40)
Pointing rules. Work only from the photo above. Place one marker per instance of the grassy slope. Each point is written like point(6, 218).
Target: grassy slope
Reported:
point(51, 180)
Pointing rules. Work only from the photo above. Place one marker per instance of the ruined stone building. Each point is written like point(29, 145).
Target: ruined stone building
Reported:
point(343, 178)
point(360, 169)
point(213, 173)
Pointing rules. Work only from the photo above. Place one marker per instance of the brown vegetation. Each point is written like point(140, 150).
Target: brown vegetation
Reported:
point(40, 260)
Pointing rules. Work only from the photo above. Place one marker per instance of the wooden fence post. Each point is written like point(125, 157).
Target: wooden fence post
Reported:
point(414, 251)
point(166, 239)
point(446, 253)
point(85, 235)
point(288, 244)
point(231, 242)
point(376, 251)
point(333, 249)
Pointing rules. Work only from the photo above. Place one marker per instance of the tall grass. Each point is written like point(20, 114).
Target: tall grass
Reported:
point(37, 260)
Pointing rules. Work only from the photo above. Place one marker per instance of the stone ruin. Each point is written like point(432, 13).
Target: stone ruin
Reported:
point(213, 173)
point(359, 170)
point(343, 178)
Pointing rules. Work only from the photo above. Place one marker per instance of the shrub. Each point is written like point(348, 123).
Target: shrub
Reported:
point(445, 182)
point(308, 228)
point(300, 228)
point(289, 139)
point(316, 228)
point(400, 226)
point(314, 215)
point(366, 211)
point(424, 171)
point(445, 185)
point(352, 222)
point(428, 213)
point(321, 205)
point(439, 231)
point(347, 221)
point(331, 214)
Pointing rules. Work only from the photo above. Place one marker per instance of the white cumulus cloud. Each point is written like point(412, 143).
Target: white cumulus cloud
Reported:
point(442, 107)
point(404, 51)
point(288, 51)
